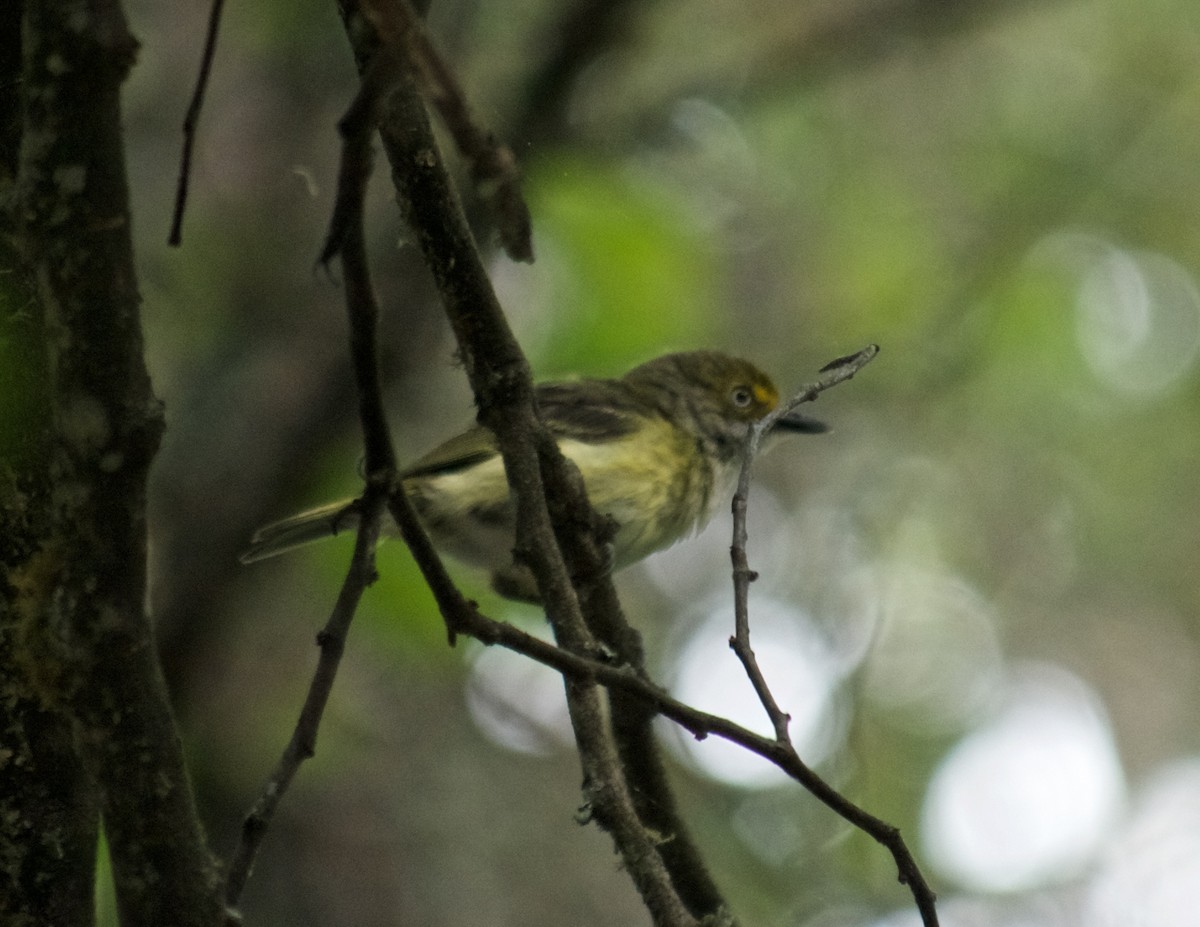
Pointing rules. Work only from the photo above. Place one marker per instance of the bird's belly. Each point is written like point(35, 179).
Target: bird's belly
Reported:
point(468, 514)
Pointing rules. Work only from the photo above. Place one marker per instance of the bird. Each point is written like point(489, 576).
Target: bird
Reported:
point(659, 450)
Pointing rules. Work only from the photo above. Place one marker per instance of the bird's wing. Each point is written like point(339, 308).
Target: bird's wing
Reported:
point(591, 411)
point(603, 411)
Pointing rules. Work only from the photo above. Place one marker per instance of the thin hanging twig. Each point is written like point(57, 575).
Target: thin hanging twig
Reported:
point(379, 457)
point(192, 119)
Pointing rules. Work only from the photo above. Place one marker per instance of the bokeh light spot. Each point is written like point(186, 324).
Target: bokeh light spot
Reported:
point(517, 702)
point(1137, 313)
point(1026, 799)
point(1152, 871)
point(798, 667)
point(935, 659)
point(1138, 321)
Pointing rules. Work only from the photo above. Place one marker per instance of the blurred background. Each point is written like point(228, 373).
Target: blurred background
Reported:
point(978, 595)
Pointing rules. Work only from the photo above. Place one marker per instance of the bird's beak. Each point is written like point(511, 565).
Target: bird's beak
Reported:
point(800, 424)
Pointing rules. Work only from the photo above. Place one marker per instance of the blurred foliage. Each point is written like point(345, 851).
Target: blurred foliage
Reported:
point(1000, 194)
point(594, 218)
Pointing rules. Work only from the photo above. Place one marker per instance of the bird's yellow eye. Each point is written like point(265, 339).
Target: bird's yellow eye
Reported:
point(742, 396)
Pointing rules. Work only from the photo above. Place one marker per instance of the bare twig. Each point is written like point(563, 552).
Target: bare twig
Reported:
point(836, 371)
point(494, 168)
point(784, 752)
point(192, 119)
point(345, 239)
point(465, 618)
point(331, 639)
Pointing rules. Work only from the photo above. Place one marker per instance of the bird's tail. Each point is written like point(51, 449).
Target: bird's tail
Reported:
point(304, 528)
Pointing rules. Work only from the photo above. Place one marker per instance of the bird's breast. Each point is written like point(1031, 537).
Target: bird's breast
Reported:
point(655, 483)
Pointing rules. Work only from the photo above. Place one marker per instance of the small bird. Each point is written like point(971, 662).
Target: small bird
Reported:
point(659, 450)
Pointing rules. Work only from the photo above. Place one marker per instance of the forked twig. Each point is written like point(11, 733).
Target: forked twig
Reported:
point(884, 833)
point(835, 372)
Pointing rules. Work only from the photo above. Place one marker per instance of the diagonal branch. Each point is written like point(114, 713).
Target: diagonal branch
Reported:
point(332, 641)
point(499, 375)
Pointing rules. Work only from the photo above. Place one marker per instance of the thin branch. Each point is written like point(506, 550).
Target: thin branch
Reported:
point(357, 128)
point(836, 371)
point(833, 373)
point(493, 166)
point(192, 120)
point(346, 238)
point(332, 640)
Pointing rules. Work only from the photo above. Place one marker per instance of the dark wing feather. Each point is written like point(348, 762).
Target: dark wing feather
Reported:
point(588, 410)
point(591, 410)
